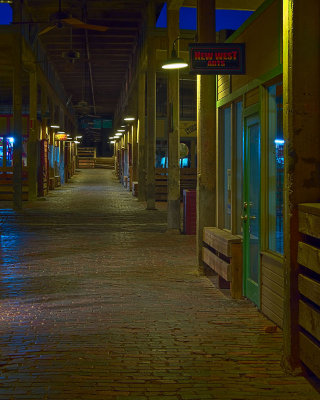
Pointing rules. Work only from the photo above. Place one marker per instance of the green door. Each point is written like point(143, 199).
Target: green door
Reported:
point(251, 209)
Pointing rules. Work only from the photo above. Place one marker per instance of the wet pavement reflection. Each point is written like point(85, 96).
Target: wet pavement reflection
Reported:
point(99, 301)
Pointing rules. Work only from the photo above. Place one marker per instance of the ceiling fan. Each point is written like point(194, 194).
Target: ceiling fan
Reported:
point(62, 18)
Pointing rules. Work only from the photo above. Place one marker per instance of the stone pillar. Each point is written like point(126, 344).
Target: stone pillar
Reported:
point(151, 110)
point(173, 129)
point(17, 118)
point(206, 129)
point(33, 137)
point(142, 136)
point(301, 121)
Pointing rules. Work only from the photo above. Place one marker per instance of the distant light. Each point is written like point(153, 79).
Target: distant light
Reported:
point(122, 126)
point(78, 137)
point(59, 132)
point(118, 134)
point(55, 126)
point(129, 119)
point(11, 139)
point(279, 141)
point(76, 141)
point(121, 130)
point(112, 141)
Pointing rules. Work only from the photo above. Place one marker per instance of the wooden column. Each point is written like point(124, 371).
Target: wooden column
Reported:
point(151, 109)
point(206, 129)
point(142, 136)
point(173, 218)
point(301, 121)
point(193, 154)
point(17, 118)
point(33, 137)
point(134, 152)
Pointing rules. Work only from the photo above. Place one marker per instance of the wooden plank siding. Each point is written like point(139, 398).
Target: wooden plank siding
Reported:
point(272, 288)
point(309, 256)
point(309, 353)
point(252, 97)
point(224, 87)
point(309, 286)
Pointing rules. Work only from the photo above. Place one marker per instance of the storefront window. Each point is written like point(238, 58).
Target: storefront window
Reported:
point(227, 167)
point(1, 151)
point(239, 165)
point(275, 168)
point(9, 152)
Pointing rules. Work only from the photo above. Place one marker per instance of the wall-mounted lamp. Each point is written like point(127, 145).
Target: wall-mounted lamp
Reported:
point(129, 119)
point(174, 62)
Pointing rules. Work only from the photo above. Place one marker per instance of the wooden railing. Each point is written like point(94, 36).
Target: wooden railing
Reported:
point(309, 286)
point(188, 180)
point(6, 184)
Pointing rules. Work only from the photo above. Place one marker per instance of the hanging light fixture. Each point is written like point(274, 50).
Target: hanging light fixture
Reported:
point(174, 62)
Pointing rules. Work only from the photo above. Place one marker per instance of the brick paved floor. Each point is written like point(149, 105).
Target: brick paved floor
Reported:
point(97, 301)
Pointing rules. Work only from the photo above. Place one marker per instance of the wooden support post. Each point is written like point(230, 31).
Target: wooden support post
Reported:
point(17, 121)
point(33, 137)
point(301, 121)
point(142, 136)
point(151, 110)
point(206, 130)
point(173, 129)
point(134, 153)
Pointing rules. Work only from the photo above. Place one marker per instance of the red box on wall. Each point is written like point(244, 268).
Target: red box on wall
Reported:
point(189, 212)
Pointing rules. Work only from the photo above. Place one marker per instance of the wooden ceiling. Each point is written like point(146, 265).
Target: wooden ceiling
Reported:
point(97, 76)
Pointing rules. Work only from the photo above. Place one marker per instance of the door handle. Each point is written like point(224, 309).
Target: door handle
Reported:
point(253, 217)
point(244, 218)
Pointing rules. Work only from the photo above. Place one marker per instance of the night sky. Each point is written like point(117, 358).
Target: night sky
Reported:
point(225, 19)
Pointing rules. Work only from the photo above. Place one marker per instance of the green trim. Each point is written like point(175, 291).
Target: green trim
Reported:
point(251, 85)
point(249, 21)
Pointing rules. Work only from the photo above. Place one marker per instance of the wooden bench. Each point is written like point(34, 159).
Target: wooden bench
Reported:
point(135, 189)
point(222, 252)
point(57, 181)
point(51, 183)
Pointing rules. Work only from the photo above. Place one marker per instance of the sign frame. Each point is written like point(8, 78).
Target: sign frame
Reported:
point(224, 64)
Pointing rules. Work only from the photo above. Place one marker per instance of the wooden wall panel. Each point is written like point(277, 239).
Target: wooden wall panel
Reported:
point(262, 46)
point(252, 97)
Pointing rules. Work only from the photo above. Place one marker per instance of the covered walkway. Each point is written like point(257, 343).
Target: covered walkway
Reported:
point(98, 301)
